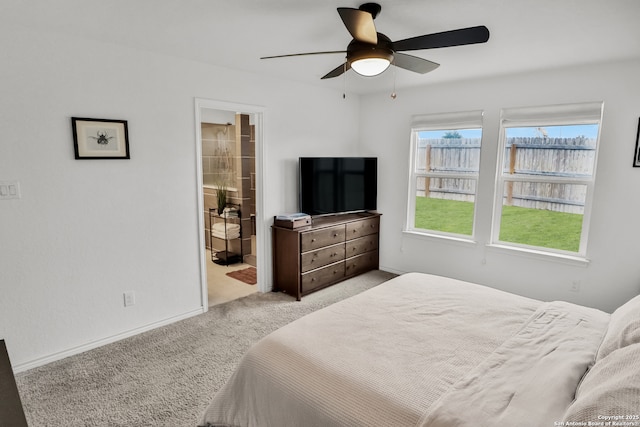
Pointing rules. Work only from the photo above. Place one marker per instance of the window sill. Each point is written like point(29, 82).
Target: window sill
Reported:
point(542, 255)
point(421, 235)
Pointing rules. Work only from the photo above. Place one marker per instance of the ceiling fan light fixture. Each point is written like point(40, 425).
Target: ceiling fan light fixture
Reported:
point(371, 63)
point(370, 66)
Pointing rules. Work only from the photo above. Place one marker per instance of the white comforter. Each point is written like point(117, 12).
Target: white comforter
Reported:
point(418, 350)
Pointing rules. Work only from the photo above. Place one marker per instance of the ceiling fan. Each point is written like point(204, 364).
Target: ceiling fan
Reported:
point(370, 53)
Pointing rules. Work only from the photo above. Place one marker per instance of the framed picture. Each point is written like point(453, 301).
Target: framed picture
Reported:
point(100, 138)
point(636, 159)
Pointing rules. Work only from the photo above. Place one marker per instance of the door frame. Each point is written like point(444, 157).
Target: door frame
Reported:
point(262, 254)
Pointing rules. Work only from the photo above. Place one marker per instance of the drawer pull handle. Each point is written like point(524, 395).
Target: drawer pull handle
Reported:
point(313, 279)
point(313, 240)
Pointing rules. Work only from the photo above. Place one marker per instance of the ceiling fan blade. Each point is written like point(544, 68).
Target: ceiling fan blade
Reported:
point(339, 70)
point(463, 36)
point(304, 54)
point(413, 63)
point(360, 24)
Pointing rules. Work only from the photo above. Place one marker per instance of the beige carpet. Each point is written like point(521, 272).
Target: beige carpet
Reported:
point(166, 377)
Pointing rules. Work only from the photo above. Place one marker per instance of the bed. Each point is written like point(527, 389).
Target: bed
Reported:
point(428, 351)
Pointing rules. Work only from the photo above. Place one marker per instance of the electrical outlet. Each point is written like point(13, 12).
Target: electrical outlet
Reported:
point(129, 298)
point(575, 286)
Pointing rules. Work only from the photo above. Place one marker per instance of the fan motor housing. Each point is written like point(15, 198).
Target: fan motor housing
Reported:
point(360, 50)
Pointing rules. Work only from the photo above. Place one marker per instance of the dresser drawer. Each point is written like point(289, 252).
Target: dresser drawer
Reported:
point(320, 238)
point(361, 245)
point(361, 228)
point(361, 263)
point(321, 257)
point(322, 276)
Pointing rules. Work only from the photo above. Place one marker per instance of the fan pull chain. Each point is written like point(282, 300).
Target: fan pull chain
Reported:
point(344, 80)
point(393, 94)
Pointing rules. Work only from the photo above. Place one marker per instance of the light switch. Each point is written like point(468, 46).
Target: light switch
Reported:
point(129, 298)
point(9, 190)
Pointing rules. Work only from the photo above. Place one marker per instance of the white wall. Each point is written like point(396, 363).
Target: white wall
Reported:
point(86, 231)
point(612, 276)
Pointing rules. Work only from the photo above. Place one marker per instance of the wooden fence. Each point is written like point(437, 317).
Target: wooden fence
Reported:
point(559, 157)
point(459, 156)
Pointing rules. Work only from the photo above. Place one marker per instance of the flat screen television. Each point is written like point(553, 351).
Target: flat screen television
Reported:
point(330, 185)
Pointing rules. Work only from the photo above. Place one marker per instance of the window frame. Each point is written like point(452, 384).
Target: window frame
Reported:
point(445, 122)
point(545, 116)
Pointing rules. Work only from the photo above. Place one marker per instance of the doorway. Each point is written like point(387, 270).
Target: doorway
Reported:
point(229, 152)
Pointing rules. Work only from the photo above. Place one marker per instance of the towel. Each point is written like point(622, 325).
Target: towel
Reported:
point(225, 231)
point(228, 236)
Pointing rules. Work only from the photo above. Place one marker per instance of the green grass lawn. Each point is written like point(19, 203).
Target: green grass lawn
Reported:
point(449, 216)
point(533, 227)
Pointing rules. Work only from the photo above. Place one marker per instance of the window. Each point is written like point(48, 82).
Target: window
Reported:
point(547, 162)
point(444, 172)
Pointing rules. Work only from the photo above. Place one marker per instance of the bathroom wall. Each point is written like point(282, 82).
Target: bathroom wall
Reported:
point(245, 196)
point(228, 156)
point(218, 165)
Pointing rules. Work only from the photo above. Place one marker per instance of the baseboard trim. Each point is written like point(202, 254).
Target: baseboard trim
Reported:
point(391, 270)
point(99, 343)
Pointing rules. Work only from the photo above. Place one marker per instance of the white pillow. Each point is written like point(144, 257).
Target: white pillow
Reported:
point(611, 388)
point(624, 328)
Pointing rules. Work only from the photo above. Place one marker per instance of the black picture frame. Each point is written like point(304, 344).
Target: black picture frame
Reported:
point(636, 158)
point(100, 138)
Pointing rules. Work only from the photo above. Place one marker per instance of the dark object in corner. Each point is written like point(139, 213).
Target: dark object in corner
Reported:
point(11, 413)
point(636, 159)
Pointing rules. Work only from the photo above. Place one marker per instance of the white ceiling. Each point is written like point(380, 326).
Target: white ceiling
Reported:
point(525, 34)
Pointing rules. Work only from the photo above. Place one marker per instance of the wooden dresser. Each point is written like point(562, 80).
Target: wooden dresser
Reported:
point(332, 249)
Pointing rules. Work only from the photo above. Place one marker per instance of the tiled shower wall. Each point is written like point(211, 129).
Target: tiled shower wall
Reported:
point(218, 154)
point(228, 153)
